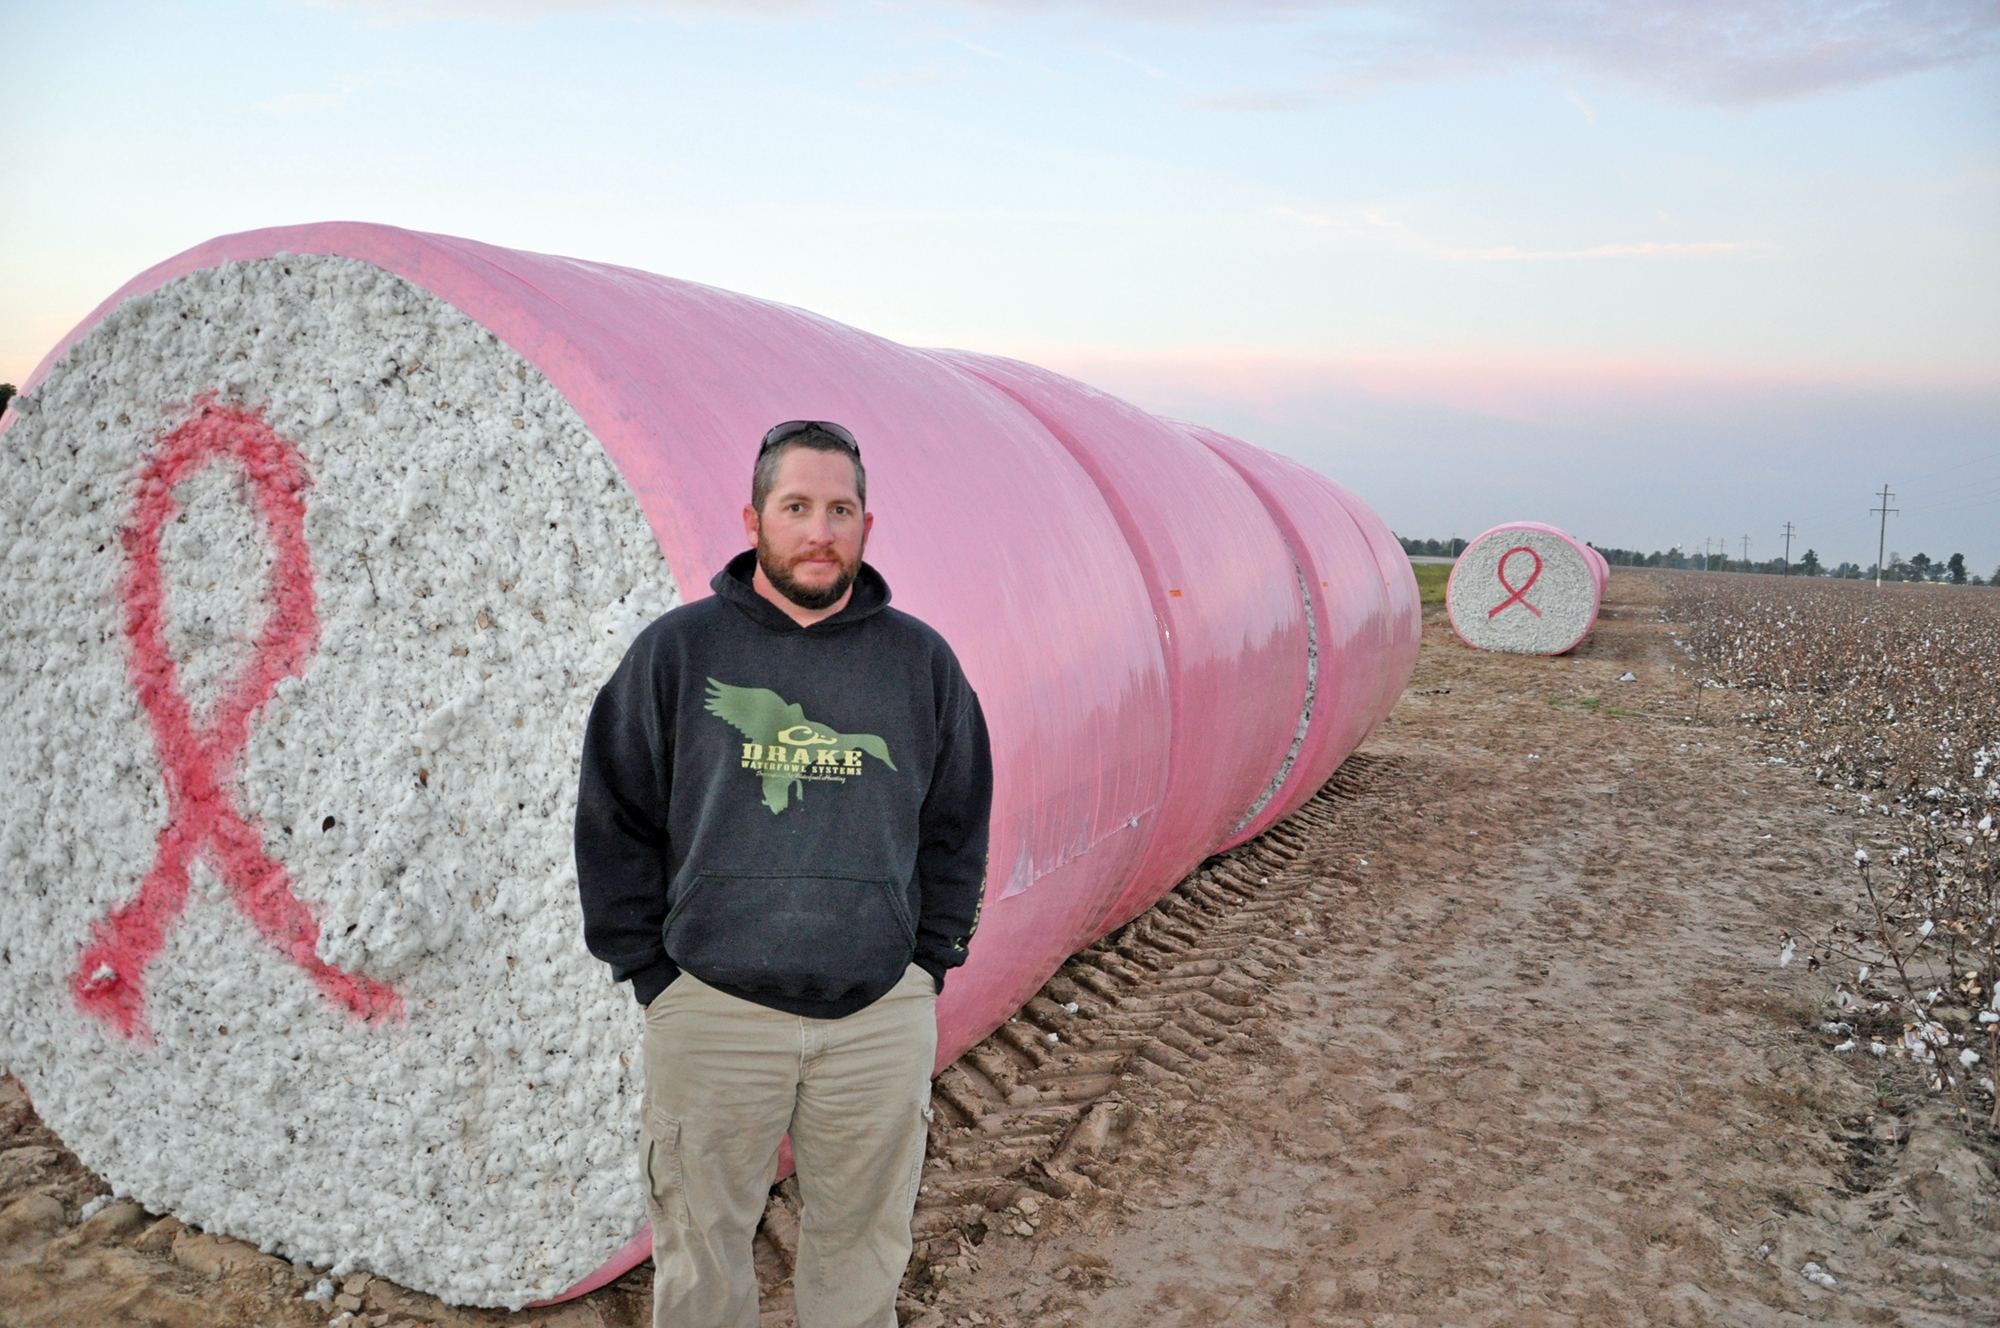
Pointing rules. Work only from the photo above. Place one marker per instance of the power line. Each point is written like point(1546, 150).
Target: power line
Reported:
point(1972, 501)
point(1882, 540)
point(1957, 498)
point(1946, 470)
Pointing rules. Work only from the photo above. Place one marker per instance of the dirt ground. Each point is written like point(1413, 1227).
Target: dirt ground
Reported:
point(1491, 1032)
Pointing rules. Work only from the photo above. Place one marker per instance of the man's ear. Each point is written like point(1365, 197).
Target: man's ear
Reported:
point(750, 524)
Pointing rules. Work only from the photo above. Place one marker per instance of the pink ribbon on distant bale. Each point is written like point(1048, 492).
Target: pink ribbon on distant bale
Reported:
point(195, 762)
point(1514, 596)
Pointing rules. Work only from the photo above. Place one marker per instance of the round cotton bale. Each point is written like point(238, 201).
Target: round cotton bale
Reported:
point(1526, 588)
point(292, 939)
point(315, 545)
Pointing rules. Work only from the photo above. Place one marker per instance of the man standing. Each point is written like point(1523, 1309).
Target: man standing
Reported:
point(781, 842)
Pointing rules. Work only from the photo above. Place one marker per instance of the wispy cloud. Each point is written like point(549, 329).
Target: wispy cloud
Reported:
point(1252, 101)
point(1122, 57)
point(1644, 249)
point(1365, 221)
point(1700, 50)
point(1303, 218)
point(915, 78)
point(401, 12)
point(299, 102)
point(1001, 57)
point(1697, 50)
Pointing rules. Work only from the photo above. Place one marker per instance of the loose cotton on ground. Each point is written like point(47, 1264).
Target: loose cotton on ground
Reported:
point(479, 569)
point(1525, 588)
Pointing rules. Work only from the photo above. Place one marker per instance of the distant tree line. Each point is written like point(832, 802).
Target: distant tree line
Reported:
point(1951, 571)
point(1450, 548)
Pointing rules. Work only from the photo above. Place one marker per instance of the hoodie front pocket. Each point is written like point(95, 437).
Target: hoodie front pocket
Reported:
point(807, 936)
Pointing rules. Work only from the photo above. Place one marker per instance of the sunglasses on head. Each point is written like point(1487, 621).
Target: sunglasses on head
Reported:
point(791, 429)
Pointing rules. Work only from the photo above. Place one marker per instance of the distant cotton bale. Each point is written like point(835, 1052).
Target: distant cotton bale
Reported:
point(1526, 588)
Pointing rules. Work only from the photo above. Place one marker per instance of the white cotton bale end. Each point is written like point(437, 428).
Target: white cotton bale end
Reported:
point(473, 568)
point(1526, 588)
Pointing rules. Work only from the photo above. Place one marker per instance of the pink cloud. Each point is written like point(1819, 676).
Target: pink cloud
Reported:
point(1758, 50)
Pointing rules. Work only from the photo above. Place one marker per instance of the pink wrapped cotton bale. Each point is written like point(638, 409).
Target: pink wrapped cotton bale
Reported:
point(315, 545)
point(1526, 588)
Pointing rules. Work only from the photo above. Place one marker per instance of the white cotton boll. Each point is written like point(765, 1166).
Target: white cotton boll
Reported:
point(1813, 1273)
point(93, 1208)
point(1846, 1046)
point(1878, 1048)
point(1968, 1057)
point(1785, 954)
point(321, 1290)
point(298, 1128)
point(1926, 928)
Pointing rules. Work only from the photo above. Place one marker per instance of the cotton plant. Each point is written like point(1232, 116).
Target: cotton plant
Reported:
point(1890, 701)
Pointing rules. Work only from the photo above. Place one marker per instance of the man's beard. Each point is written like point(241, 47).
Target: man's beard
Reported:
point(803, 596)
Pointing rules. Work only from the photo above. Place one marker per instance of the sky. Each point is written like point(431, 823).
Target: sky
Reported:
point(1657, 271)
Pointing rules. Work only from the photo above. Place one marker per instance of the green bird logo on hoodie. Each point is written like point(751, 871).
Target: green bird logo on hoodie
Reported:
point(784, 747)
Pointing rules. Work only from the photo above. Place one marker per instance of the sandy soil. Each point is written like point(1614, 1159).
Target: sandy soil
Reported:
point(1491, 1032)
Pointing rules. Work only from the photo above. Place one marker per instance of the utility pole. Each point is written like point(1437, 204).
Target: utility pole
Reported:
point(1882, 540)
point(1746, 553)
point(1788, 548)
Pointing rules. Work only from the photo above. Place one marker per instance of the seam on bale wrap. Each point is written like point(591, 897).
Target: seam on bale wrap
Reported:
point(1305, 711)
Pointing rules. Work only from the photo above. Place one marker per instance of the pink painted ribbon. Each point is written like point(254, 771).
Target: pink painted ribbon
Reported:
point(196, 761)
point(1514, 596)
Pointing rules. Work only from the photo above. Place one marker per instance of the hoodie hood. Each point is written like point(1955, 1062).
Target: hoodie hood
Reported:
point(870, 596)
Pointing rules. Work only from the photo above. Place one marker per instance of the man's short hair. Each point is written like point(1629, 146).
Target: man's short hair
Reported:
point(819, 436)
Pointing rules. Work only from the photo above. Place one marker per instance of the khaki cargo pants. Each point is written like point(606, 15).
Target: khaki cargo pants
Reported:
point(725, 1081)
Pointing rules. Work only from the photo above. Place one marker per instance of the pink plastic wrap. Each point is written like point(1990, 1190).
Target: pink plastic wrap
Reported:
point(1125, 593)
point(1366, 619)
point(1484, 586)
point(1232, 634)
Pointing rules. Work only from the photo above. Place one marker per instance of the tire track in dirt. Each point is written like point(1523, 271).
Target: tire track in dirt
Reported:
point(1040, 1111)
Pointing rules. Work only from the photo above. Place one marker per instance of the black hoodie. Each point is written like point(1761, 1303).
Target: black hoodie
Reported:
point(792, 814)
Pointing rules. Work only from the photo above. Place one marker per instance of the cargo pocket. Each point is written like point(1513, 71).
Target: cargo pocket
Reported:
point(660, 1152)
point(917, 1155)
